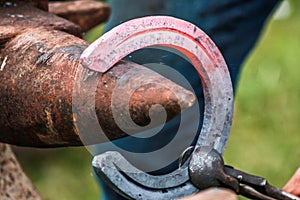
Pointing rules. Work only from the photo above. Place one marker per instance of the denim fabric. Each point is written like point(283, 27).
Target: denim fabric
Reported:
point(234, 25)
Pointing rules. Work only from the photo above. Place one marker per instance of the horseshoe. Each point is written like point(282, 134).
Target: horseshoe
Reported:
point(191, 41)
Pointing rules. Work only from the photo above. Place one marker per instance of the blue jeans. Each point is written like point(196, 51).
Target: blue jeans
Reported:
point(234, 25)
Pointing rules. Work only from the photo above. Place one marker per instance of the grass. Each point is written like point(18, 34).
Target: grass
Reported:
point(60, 174)
point(265, 138)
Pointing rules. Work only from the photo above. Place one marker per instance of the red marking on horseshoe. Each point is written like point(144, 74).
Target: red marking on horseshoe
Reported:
point(123, 40)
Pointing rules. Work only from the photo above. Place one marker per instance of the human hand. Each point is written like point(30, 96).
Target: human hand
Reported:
point(293, 185)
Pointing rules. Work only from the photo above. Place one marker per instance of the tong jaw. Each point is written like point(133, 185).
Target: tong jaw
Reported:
point(207, 170)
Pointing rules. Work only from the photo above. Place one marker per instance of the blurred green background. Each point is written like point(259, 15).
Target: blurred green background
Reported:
point(265, 138)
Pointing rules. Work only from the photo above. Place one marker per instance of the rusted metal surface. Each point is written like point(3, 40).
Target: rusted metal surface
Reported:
point(14, 184)
point(36, 82)
point(87, 14)
point(39, 60)
point(41, 4)
point(113, 88)
point(19, 16)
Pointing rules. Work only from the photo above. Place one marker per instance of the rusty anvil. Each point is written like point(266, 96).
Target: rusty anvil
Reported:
point(188, 39)
point(39, 60)
point(39, 65)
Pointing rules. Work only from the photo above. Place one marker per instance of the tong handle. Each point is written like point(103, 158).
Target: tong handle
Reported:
point(253, 186)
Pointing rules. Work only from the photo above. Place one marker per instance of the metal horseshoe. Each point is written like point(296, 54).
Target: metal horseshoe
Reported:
point(191, 41)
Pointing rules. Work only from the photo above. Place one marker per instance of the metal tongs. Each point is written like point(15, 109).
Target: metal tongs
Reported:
point(207, 169)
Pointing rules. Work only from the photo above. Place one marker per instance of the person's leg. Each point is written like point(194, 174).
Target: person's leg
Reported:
point(234, 25)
